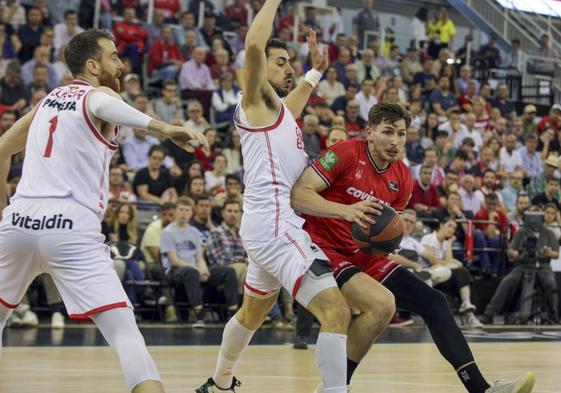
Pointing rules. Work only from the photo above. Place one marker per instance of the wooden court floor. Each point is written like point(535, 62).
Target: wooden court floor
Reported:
point(388, 368)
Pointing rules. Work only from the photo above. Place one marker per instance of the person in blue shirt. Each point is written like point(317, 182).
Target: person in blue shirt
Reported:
point(442, 99)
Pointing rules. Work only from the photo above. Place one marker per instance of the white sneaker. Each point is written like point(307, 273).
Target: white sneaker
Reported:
point(57, 321)
point(14, 321)
point(29, 319)
point(320, 389)
point(523, 384)
point(467, 307)
point(473, 322)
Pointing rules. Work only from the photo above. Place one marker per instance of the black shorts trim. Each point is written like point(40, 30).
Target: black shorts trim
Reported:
point(345, 275)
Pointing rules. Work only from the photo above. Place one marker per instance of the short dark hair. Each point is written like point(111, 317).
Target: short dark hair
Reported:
point(552, 180)
point(430, 148)
point(492, 197)
point(202, 197)
point(441, 134)
point(231, 176)
point(168, 82)
point(550, 205)
point(83, 47)
point(461, 154)
point(486, 171)
point(531, 137)
point(390, 113)
point(231, 202)
point(159, 148)
point(275, 43)
point(168, 206)
point(69, 12)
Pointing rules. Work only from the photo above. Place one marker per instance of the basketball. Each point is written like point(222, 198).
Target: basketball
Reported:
point(381, 238)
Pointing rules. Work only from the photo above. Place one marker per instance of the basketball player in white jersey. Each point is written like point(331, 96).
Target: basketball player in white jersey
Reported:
point(280, 252)
point(53, 222)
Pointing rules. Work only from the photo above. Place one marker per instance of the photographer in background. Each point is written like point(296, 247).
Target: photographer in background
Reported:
point(532, 247)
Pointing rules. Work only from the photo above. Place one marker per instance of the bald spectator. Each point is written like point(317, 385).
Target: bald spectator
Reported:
point(509, 158)
point(189, 44)
point(165, 57)
point(366, 68)
point(40, 57)
point(63, 32)
point(222, 65)
point(195, 80)
point(355, 123)
point(336, 135)
point(366, 97)
point(311, 129)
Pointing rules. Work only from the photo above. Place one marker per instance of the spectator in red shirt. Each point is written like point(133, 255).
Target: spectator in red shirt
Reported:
point(170, 8)
point(130, 38)
point(465, 101)
point(165, 58)
point(355, 123)
point(424, 198)
point(336, 46)
point(492, 212)
point(553, 120)
point(236, 14)
point(222, 66)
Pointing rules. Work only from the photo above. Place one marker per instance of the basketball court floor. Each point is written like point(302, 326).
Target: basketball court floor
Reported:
point(77, 360)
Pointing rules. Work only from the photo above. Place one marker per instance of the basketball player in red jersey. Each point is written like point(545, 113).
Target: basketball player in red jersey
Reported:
point(53, 224)
point(370, 170)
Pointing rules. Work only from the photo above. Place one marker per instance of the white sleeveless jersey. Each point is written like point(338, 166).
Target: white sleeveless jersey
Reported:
point(66, 156)
point(273, 159)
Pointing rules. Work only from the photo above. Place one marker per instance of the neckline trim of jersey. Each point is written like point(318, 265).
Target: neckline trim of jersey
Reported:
point(261, 129)
point(80, 82)
point(372, 160)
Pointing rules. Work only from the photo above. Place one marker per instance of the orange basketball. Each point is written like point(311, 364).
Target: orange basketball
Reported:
point(381, 238)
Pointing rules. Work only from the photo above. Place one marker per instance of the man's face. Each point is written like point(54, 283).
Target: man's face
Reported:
point(8, 120)
point(454, 201)
point(426, 176)
point(531, 145)
point(444, 84)
point(522, 204)
point(183, 214)
point(199, 55)
point(530, 116)
point(40, 75)
point(409, 221)
point(311, 126)
point(467, 183)
point(502, 92)
point(233, 187)
point(169, 92)
point(140, 133)
point(167, 34)
point(71, 20)
point(489, 180)
point(430, 158)
point(188, 21)
point(470, 121)
point(550, 215)
point(202, 209)
point(350, 92)
point(451, 178)
point(555, 115)
point(129, 15)
point(141, 103)
point(190, 38)
point(280, 71)
point(510, 142)
point(231, 214)
point(367, 57)
point(471, 89)
point(209, 23)
point(41, 55)
point(491, 206)
point(351, 71)
point(552, 187)
point(465, 73)
point(111, 66)
point(116, 177)
point(516, 179)
point(427, 66)
point(485, 91)
point(387, 140)
point(486, 155)
point(156, 160)
point(336, 136)
point(412, 135)
point(34, 16)
point(353, 108)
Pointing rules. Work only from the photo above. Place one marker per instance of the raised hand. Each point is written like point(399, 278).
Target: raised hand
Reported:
point(320, 60)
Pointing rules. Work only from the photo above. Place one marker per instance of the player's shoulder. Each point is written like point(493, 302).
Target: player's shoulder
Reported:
point(349, 147)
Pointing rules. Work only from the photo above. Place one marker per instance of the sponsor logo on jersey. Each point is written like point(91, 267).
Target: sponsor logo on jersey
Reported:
point(393, 186)
point(56, 221)
point(329, 160)
point(353, 191)
point(61, 106)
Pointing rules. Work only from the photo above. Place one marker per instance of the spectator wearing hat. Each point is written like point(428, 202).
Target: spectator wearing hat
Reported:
point(531, 160)
point(131, 88)
point(537, 184)
point(165, 57)
point(553, 120)
point(529, 125)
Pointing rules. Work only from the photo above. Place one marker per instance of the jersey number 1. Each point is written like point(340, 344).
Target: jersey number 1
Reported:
point(52, 129)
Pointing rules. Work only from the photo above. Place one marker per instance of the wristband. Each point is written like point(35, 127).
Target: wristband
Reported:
point(313, 77)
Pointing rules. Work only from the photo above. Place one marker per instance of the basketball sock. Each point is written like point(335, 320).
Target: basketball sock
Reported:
point(331, 352)
point(471, 377)
point(4, 315)
point(351, 367)
point(235, 339)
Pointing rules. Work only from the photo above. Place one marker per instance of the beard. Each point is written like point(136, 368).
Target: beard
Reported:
point(111, 81)
point(281, 91)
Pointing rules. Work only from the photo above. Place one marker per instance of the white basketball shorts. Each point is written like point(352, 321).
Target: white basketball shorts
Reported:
point(283, 262)
point(60, 237)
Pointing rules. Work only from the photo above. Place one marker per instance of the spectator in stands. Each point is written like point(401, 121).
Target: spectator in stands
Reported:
point(169, 8)
point(510, 193)
point(195, 187)
point(510, 159)
point(442, 99)
point(187, 24)
point(468, 131)
point(195, 80)
point(131, 88)
point(13, 13)
point(233, 154)
point(136, 148)
point(40, 57)
point(63, 32)
point(453, 126)
point(154, 183)
point(12, 89)
point(355, 123)
point(182, 257)
point(189, 170)
point(489, 54)
point(537, 184)
point(458, 163)
point(550, 195)
point(424, 198)
point(225, 99)
point(130, 38)
point(413, 147)
point(339, 65)
point(340, 103)
point(441, 32)
point(207, 156)
point(201, 218)
point(9, 45)
point(165, 57)
point(224, 246)
point(553, 120)
point(366, 20)
point(547, 248)
point(365, 97)
point(531, 160)
point(233, 192)
point(465, 101)
point(215, 179)
point(472, 199)
point(442, 146)
point(464, 79)
point(195, 118)
point(551, 220)
point(7, 119)
point(209, 30)
point(410, 65)
point(330, 88)
point(544, 67)
point(351, 74)
point(392, 66)
point(450, 185)
point(119, 189)
point(40, 81)
point(426, 78)
point(502, 102)
point(123, 227)
point(236, 13)
point(336, 135)
point(513, 60)
point(430, 160)
point(311, 136)
point(440, 243)
point(29, 34)
point(516, 216)
point(529, 124)
point(497, 225)
point(168, 107)
point(366, 69)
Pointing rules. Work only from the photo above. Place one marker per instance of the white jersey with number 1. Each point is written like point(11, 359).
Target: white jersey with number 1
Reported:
point(66, 156)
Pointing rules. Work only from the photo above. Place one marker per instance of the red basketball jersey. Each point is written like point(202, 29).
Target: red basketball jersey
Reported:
point(352, 176)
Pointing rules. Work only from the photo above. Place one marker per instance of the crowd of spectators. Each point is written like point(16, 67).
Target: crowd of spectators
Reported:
point(474, 154)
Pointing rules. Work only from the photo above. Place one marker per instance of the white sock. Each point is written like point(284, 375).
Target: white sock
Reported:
point(331, 354)
point(235, 339)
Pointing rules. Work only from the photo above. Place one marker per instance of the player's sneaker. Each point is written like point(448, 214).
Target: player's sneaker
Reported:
point(523, 384)
point(57, 321)
point(320, 389)
point(29, 319)
point(210, 387)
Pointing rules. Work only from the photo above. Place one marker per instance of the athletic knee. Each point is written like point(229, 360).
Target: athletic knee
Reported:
point(251, 317)
point(333, 313)
point(386, 308)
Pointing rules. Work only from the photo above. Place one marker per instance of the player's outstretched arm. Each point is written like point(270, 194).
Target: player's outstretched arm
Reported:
point(298, 98)
point(109, 106)
point(306, 199)
point(12, 142)
point(254, 76)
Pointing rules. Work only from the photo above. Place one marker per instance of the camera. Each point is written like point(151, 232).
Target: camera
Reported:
point(532, 221)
